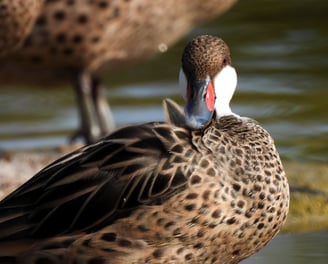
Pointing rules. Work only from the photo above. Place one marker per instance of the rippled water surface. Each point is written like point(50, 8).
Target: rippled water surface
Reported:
point(279, 49)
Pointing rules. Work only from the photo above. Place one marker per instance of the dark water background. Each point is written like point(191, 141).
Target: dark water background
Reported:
point(279, 49)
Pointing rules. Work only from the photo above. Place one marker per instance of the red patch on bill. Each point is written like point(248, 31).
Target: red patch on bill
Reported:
point(210, 97)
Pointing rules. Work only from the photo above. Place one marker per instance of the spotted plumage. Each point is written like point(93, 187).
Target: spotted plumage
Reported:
point(17, 18)
point(157, 192)
point(76, 40)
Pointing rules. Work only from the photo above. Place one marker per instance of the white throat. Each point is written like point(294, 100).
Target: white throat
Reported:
point(225, 83)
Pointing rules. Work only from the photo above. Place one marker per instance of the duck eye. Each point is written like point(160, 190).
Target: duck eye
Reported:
point(225, 62)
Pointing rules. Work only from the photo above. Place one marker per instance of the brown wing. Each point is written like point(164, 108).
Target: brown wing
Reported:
point(96, 185)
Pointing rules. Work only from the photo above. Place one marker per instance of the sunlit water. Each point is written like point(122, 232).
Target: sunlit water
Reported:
point(279, 49)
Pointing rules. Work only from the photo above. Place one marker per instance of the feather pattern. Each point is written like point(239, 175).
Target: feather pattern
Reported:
point(128, 168)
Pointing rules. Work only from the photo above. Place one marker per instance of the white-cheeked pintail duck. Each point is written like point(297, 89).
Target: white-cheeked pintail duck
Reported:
point(207, 186)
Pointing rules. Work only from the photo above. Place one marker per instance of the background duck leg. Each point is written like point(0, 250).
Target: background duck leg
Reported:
point(102, 110)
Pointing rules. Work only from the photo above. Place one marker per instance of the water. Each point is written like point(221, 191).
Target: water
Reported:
point(279, 49)
point(308, 248)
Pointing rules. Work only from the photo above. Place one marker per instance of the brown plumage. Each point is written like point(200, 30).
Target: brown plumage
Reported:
point(17, 18)
point(155, 193)
point(76, 40)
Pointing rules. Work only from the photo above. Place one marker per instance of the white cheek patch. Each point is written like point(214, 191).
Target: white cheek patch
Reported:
point(225, 83)
point(183, 84)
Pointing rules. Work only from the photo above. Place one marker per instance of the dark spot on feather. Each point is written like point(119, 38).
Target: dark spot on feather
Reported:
point(59, 15)
point(260, 226)
point(160, 221)
point(231, 220)
point(169, 224)
point(216, 213)
point(211, 172)
point(190, 207)
point(198, 245)
point(41, 21)
point(248, 214)
point(95, 39)
point(124, 242)
point(178, 159)
point(213, 225)
point(177, 149)
point(262, 195)
point(204, 163)
point(96, 260)
point(200, 233)
point(195, 179)
point(206, 194)
point(257, 187)
point(143, 228)
point(188, 256)
point(236, 187)
point(68, 51)
point(181, 135)
point(109, 237)
point(222, 150)
point(82, 19)
point(239, 152)
point(158, 253)
point(103, 4)
point(192, 196)
point(268, 173)
point(177, 232)
point(236, 252)
point(61, 38)
point(240, 203)
point(260, 205)
point(77, 39)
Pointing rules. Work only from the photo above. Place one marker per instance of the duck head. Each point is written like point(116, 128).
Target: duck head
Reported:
point(207, 80)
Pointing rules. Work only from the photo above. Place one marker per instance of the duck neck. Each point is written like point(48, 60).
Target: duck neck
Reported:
point(222, 109)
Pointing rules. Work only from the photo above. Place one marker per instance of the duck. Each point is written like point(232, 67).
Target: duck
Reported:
point(17, 20)
point(76, 41)
point(205, 186)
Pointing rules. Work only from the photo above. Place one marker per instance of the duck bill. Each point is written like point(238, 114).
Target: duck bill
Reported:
point(200, 103)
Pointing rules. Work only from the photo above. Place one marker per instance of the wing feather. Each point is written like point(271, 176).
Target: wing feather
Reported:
point(97, 184)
